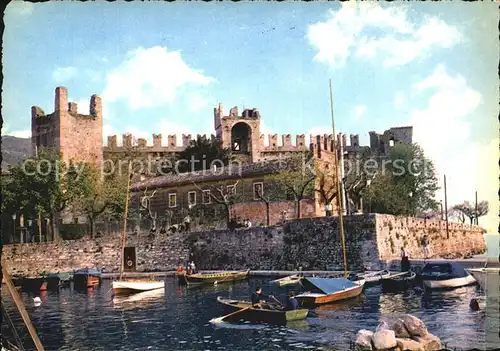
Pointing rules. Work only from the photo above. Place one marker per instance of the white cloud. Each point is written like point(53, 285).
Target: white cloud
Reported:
point(63, 74)
point(443, 129)
point(347, 32)
point(21, 133)
point(399, 100)
point(359, 112)
point(152, 77)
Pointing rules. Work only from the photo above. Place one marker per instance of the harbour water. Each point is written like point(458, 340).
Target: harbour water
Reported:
point(178, 319)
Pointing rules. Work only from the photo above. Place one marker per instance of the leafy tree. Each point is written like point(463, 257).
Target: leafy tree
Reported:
point(468, 209)
point(270, 194)
point(295, 177)
point(98, 196)
point(200, 154)
point(405, 184)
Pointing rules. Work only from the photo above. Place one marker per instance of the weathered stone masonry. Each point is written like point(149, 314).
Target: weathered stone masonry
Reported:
point(312, 243)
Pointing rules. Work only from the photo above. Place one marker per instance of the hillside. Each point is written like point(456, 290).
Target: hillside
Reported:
point(14, 150)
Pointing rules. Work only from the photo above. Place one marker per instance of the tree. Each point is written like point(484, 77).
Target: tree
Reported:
point(296, 177)
point(267, 197)
point(201, 154)
point(98, 196)
point(223, 194)
point(468, 209)
point(145, 206)
point(404, 184)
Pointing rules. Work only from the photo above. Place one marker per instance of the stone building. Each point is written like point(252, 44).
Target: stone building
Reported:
point(78, 137)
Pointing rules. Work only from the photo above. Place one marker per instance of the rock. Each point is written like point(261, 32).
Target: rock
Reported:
point(384, 339)
point(429, 342)
point(364, 340)
point(383, 326)
point(406, 344)
point(414, 326)
point(400, 330)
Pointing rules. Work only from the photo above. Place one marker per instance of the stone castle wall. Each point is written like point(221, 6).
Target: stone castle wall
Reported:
point(312, 243)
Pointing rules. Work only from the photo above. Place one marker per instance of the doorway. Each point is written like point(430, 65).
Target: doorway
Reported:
point(129, 259)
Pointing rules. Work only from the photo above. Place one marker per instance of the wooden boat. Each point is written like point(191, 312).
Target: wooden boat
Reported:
point(214, 278)
point(398, 282)
point(87, 278)
point(271, 316)
point(483, 275)
point(127, 287)
point(327, 290)
point(58, 280)
point(33, 284)
point(372, 278)
point(290, 280)
point(445, 275)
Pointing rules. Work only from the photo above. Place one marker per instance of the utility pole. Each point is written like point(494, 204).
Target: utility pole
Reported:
point(477, 218)
point(339, 192)
point(446, 208)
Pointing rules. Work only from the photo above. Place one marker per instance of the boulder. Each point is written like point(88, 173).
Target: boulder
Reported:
point(364, 340)
point(384, 339)
point(429, 342)
point(400, 330)
point(414, 326)
point(406, 344)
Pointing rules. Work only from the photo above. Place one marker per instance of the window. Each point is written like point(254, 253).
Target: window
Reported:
point(258, 189)
point(172, 200)
point(192, 198)
point(231, 189)
point(206, 197)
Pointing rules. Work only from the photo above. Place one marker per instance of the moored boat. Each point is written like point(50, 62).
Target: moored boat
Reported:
point(372, 278)
point(290, 280)
point(327, 290)
point(214, 278)
point(127, 287)
point(264, 315)
point(445, 275)
point(398, 282)
point(86, 278)
point(58, 280)
point(482, 275)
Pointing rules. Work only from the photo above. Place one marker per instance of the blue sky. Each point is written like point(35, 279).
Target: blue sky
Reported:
point(162, 67)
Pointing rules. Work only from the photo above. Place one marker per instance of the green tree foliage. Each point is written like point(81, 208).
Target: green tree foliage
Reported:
point(468, 209)
point(200, 154)
point(221, 193)
point(98, 196)
point(295, 177)
point(404, 184)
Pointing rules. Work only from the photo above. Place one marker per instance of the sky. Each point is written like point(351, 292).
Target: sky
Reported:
point(162, 68)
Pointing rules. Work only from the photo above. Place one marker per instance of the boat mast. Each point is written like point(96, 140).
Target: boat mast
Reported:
point(339, 196)
point(124, 234)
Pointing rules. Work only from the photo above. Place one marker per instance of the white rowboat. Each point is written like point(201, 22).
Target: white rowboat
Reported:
point(292, 279)
point(124, 287)
point(450, 283)
point(482, 274)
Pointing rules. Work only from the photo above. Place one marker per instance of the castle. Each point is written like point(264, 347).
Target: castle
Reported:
point(79, 138)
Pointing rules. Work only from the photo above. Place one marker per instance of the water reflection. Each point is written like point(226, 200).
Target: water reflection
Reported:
point(176, 318)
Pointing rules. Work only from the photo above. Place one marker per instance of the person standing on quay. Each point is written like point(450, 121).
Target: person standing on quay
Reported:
point(425, 247)
point(405, 262)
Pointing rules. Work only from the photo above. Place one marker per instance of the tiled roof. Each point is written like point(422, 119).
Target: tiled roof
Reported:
point(230, 172)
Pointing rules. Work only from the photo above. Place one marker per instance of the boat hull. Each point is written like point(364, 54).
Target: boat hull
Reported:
point(213, 278)
point(400, 283)
point(85, 279)
point(313, 299)
point(124, 287)
point(375, 277)
point(291, 280)
point(279, 317)
point(481, 275)
point(443, 284)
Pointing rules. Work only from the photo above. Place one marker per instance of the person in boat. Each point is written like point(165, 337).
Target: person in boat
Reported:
point(257, 298)
point(291, 302)
point(193, 267)
point(405, 262)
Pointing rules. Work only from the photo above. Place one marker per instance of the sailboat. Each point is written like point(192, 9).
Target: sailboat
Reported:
point(132, 286)
point(327, 290)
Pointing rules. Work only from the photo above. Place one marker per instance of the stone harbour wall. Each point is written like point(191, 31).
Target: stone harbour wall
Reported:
point(310, 243)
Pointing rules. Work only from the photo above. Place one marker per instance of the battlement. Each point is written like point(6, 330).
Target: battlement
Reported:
point(141, 144)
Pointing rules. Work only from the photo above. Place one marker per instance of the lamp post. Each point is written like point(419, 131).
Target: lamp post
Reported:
point(30, 222)
point(441, 204)
point(14, 221)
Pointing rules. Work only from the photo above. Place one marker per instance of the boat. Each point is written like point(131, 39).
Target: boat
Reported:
point(87, 278)
point(327, 290)
point(372, 278)
point(399, 281)
point(33, 284)
point(445, 275)
point(290, 280)
point(127, 287)
point(214, 278)
point(58, 280)
point(483, 275)
point(141, 299)
point(263, 315)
